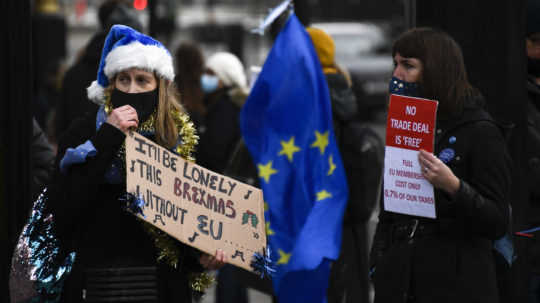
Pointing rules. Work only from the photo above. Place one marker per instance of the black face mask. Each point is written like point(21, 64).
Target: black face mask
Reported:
point(144, 103)
point(533, 67)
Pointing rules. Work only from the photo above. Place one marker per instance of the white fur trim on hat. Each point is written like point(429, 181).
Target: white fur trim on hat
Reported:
point(135, 54)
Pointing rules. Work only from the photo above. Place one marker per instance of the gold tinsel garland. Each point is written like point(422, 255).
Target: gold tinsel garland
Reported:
point(168, 250)
point(200, 282)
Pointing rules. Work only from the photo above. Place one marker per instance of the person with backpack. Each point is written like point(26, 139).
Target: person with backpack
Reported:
point(362, 154)
point(449, 258)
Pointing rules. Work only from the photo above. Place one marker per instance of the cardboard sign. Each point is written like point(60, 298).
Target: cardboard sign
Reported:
point(410, 127)
point(195, 205)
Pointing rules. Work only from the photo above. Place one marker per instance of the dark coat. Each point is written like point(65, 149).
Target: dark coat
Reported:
point(42, 160)
point(220, 134)
point(450, 258)
point(91, 221)
point(533, 150)
point(533, 171)
point(73, 101)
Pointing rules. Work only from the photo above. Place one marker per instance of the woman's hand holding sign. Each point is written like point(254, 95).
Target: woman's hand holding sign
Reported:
point(213, 262)
point(437, 173)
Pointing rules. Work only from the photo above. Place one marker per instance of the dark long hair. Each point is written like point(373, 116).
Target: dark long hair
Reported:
point(189, 68)
point(444, 77)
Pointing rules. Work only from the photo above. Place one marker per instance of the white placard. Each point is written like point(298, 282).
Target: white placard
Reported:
point(405, 189)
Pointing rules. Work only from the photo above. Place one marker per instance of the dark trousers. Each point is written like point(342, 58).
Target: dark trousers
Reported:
point(349, 280)
point(229, 287)
point(534, 288)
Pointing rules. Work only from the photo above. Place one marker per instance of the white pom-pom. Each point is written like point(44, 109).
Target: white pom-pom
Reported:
point(95, 93)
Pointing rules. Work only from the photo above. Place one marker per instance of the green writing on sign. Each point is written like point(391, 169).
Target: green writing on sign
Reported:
point(247, 215)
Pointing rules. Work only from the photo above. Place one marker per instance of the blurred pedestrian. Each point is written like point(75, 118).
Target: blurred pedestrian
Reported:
point(73, 101)
point(225, 88)
point(450, 258)
point(224, 84)
point(117, 254)
point(532, 42)
point(189, 69)
point(361, 151)
point(48, 53)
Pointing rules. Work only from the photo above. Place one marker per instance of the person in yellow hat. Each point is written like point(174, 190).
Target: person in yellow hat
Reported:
point(361, 150)
point(326, 49)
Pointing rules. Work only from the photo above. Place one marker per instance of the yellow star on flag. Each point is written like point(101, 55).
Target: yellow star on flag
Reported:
point(321, 141)
point(265, 171)
point(269, 231)
point(288, 148)
point(323, 194)
point(265, 206)
point(332, 165)
point(283, 257)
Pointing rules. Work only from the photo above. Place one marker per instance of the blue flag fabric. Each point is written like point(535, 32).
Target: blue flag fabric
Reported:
point(287, 126)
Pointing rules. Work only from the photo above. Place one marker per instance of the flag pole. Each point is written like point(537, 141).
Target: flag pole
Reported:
point(273, 15)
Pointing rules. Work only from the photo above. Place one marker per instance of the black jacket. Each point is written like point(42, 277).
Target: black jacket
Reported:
point(533, 150)
point(91, 221)
point(221, 134)
point(73, 101)
point(533, 170)
point(42, 160)
point(450, 258)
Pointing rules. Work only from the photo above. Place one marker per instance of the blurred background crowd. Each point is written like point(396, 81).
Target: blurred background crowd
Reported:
point(69, 33)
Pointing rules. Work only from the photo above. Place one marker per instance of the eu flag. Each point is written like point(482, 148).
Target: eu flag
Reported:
point(287, 126)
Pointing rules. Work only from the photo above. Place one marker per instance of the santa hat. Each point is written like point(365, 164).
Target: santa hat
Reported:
point(126, 48)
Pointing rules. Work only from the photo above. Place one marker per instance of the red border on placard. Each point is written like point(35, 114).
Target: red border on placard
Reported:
point(425, 114)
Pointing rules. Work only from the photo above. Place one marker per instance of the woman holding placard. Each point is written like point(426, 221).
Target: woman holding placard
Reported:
point(116, 254)
point(447, 259)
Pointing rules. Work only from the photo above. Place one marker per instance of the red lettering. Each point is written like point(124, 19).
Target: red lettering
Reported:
point(177, 184)
point(212, 202)
point(186, 191)
point(221, 207)
point(201, 201)
point(230, 205)
point(195, 191)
